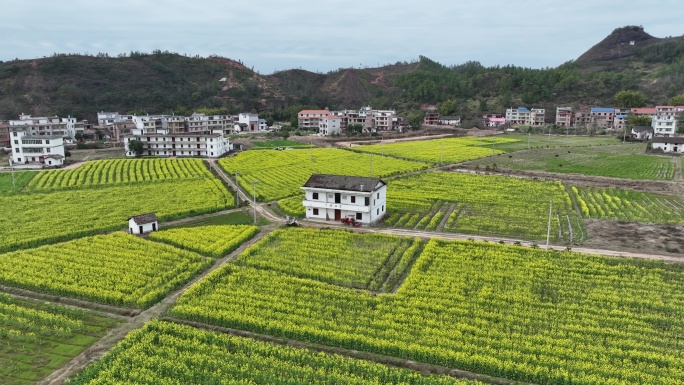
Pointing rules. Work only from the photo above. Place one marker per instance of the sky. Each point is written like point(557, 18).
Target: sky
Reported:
point(326, 35)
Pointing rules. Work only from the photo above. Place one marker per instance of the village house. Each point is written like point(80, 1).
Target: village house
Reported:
point(36, 150)
point(564, 116)
point(330, 125)
point(162, 143)
point(668, 144)
point(522, 116)
point(334, 197)
point(309, 119)
point(4, 136)
point(143, 224)
point(450, 120)
point(431, 118)
point(665, 123)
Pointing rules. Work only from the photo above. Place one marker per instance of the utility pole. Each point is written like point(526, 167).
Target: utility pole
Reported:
point(371, 165)
point(237, 190)
point(441, 160)
point(548, 229)
point(493, 143)
point(254, 183)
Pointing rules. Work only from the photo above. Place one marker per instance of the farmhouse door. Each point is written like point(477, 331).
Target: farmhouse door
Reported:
point(141, 230)
point(338, 198)
point(338, 215)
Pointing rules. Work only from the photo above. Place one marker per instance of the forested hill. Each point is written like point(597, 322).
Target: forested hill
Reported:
point(164, 82)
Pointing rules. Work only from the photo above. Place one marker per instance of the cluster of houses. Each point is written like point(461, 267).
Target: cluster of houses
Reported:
point(329, 123)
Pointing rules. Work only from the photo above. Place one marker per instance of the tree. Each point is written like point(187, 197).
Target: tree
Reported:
point(294, 122)
point(677, 100)
point(680, 123)
point(630, 99)
point(137, 147)
point(639, 120)
point(415, 120)
point(447, 107)
point(78, 136)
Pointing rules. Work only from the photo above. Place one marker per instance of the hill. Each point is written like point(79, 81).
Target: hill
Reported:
point(163, 82)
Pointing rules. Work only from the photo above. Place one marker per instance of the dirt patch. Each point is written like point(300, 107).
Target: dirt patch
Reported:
point(635, 237)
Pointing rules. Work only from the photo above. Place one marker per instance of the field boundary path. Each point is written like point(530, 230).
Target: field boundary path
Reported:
point(106, 343)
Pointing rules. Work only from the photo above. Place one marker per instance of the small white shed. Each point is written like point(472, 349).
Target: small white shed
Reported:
point(144, 223)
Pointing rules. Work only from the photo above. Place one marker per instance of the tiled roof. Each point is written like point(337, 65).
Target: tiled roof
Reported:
point(343, 182)
point(144, 218)
point(602, 109)
point(669, 139)
point(314, 112)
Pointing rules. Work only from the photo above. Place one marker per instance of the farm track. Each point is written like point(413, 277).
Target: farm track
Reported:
point(100, 348)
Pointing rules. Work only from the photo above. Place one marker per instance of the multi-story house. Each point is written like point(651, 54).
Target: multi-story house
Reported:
point(248, 122)
point(665, 122)
point(46, 126)
point(164, 143)
point(36, 150)
point(329, 125)
point(4, 135)
point(334, 197)
point(197, 123)
point(602, 117)
point(564, 116)
point(522, 116)
point(309, 119)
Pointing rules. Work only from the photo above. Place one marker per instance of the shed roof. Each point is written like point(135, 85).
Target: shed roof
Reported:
point(602, 109)
point(143, 219)
point(343, 182)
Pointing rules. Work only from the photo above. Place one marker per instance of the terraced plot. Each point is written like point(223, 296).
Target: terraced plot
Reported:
point(117, 269)
point(21, 179)
point(618, 161)
point(35, 219)
point(519, 313)
point(476, 204)
point(627, 205)
point(438, 151)
point(167, 353)
point(119, 171)
point(280, 174)
point(37, 338)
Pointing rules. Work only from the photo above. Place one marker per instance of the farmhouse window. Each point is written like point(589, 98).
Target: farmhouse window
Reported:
point(315, 211)
point(367, 201)
point(353, 199)
point(314, 196)
point(359, 216)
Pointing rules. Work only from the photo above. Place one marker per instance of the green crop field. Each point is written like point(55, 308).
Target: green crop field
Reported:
point(280, 174)
point(436, 151)
point(38, 338)
point(631, 206)
point(280, 143)
point(168, 353)
point(119, 171)
point(618, 161)
point(212, 241)
point(477, 204)
point(519, 313)
point(21, 179)
point(116, 269)
point(517, 142)
point(368, 260)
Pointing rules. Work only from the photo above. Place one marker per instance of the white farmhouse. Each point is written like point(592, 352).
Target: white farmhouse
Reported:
point(163, 143)
point(673, 144)
point(329, 125)
point(36, 150)
point(333, 197)
point(144, 223)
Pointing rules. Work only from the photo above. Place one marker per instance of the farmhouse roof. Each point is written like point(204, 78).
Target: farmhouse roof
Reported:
point(451, 117)
point(314, 112)
point(669, 139)
point(342, 182)
point(144, 219)
point(645, 111)
point(602, 109)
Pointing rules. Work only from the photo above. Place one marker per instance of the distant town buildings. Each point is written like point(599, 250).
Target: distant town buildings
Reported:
point(66, 128)
point(367, 117)
point(522, 116)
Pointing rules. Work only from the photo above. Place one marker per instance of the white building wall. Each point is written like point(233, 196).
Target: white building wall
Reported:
point(352, 203)
point(669, 147)
point(29, 148)
point(134, 228)
point(664, 123)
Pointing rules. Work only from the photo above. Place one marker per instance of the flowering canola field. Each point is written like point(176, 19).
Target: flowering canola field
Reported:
point(627, 205)
point(212, 241)
point(166, 353)
point(119, 171)
point(280, 174)
point(436, 151)
point(523, 314)
point(477, 204)
point(116, 269)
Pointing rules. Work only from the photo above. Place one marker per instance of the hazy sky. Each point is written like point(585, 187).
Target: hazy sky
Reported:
point(325, 35)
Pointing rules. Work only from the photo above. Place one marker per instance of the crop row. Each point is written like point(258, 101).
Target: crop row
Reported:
point(119, 171)
point(445, 151)
point(37, 338)
point(523, 314)
point(165, 353)
point(21, 179)
point(280, 174)
point(337, 257)
point(33, 219)
point(212, 241)
point(117, 269)
point(627, 205)
point(479, 204)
